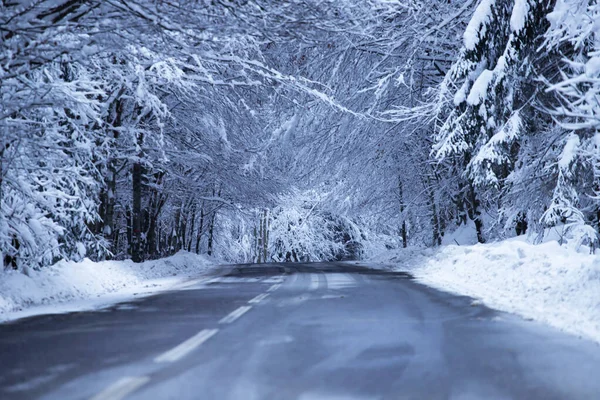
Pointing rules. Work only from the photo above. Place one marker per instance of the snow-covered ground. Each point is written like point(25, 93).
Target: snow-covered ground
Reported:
point(69, 286)
point(547, 282)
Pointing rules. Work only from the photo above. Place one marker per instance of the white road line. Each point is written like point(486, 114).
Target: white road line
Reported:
point(341, 281)
point(274, 279)
point(180, 351)
point(274, 287)
point(235, 315)
point(314, 282)
point(258, 298)
point(122, 388)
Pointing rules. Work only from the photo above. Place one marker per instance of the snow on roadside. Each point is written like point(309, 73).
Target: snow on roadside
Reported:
point(546, 282)
point(70, 286)
point(402, 259)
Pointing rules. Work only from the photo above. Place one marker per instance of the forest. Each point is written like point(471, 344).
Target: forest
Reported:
point(300, 130)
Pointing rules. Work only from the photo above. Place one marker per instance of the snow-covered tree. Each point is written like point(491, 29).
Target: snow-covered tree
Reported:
point(573, 34)
point(487, 100)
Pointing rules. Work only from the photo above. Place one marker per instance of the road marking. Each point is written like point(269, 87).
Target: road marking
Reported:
point(180, 351)
point(274, 279)
point(121, 388)
point(314, 282)
point(341, 281)
point(235, 315)
point(258, 298)
point(274, 287)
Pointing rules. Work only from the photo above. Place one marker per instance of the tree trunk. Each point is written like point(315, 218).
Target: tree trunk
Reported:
point(265, 234)
point(200, 228)
point(136, 248)
point(402, 208)
point(175, 231)
point(110, 182)
point(192, 223)
point(211, 228)
point(259, 242)
point(476, 213)
point(435, 222)
point(129, 219)
point(108, 230)
point(255, 250)
point(98, 227)
point(181, 234)
point(116, 236)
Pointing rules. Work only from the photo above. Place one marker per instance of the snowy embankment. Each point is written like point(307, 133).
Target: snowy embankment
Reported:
point(546, 282)
point(73, 286)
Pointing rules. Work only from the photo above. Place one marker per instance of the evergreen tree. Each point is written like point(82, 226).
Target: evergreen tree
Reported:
point(487, 100)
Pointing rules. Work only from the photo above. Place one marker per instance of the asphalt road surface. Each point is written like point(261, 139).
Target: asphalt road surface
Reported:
point(295, 331)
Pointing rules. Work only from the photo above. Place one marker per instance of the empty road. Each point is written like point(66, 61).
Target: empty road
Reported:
point(295, 331)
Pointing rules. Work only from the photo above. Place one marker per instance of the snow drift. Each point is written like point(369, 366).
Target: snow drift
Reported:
point(71, 286)
point(546, 282)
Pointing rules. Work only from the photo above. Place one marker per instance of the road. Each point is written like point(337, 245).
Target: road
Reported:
point(295, 331)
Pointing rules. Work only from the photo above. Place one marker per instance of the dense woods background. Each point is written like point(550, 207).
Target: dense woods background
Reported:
point(298, 130)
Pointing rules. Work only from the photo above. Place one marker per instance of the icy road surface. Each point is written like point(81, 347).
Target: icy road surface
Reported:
point(295, 331)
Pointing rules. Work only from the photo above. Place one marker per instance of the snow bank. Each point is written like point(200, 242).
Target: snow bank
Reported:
point(402, 259)
point(462, 235)
point(547, 282)
point(70, 286)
